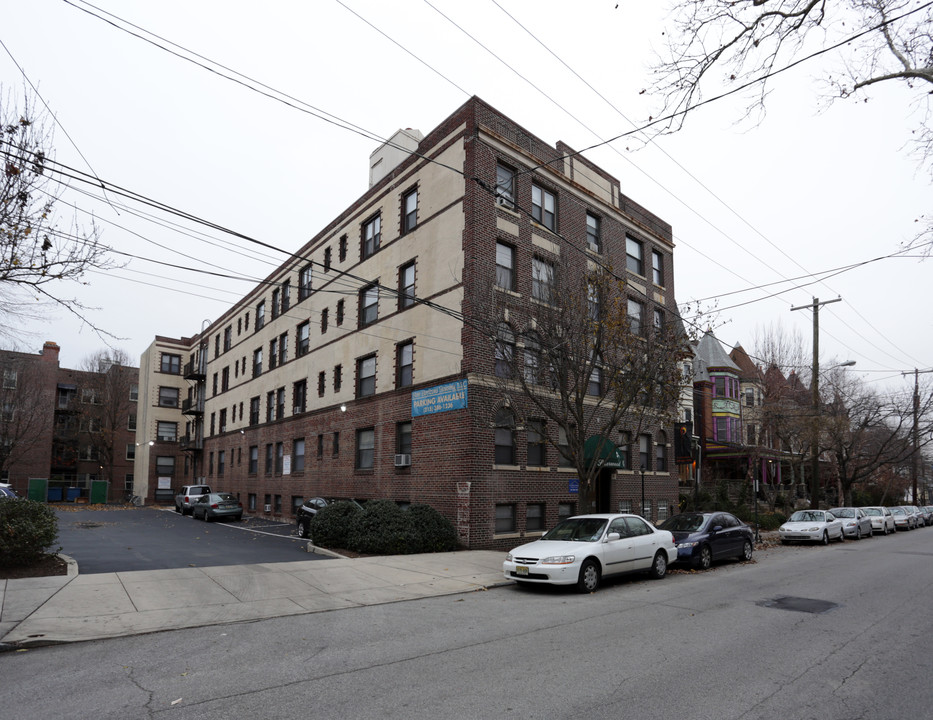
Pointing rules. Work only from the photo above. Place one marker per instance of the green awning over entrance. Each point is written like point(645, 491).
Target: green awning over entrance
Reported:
point(602, 451)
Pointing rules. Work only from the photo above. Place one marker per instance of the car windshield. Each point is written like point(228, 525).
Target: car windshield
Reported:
point(843, 512)
point(807, 516)
point(872, 511)
point(578, 529)
point(898, 511)
point(225, 497)
point(688, 522)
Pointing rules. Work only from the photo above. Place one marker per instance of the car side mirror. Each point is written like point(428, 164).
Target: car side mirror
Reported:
point(717, 528)
point(612, 536)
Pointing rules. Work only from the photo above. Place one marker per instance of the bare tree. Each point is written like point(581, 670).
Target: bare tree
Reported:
point(26, 398)
point(37, 249)
point(864, 431)
point(107, 381)
point(585, 360)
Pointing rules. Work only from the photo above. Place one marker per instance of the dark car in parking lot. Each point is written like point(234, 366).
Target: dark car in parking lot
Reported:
point(310, 507)
point(702, 537)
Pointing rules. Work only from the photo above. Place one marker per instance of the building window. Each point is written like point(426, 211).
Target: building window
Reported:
point(505, 437)
point(168, 396)
point(9, 377)
point(170, 364)
point(279, 458)
point(372, 236)
point(595, 385)
point(300, 393)
point(592, 302)
point(749, 397)
point(275, 303)
point(221, 462)
point(253, 459)
point(338, 377)
point(534, 517)
point(134, 390)
point(658, 320)
point(131, 422)
point(369, 305)
point(260, 314)
point(257, 362)
point(298, 455)
point(646, 509)
point(327, 258)
point(335, 447)
point(365, 448)
point(660, 452)
point(339, 313)
point(321, 383)
point(409, 211)
point(280, 404)
point(625, 446)
point(225, 379)
point(269, 458)
point(634, 256)
point(505, 266)
point(304, 282)
point(542, 280)
point(286, 296)
point(537, 450)
point(563, 446)
point(722, 429)
point(566, 510)
point(131, 451)
point(403, 438)
point(505, 350)
point(505, 186)
point(404, 353)
point(594, 239)
point(644, 452)
point(342, 248)
point(406, 286)
point(366, 376)
point(254, 410)
point(324, 314)
point(532, 358)
point(505, 519)
point(636, 312)
point(166, 430)
point(320, 445)
point(228, 337)
point(165, 465)
point(544, 207)
point(273, 353)
point(270, 406)
point(303, 333)
point(657, 267)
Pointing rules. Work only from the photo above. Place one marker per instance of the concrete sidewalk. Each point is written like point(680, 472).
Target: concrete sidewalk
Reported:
point(73, 608)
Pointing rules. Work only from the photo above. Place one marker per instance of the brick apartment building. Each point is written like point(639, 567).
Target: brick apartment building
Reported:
point(356, 368)
point(66, 434)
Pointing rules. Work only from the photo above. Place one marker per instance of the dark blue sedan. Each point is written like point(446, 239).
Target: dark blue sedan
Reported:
point(702, 537)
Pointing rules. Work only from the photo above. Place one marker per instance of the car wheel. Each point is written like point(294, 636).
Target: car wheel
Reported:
point(207, 517)
point(589, 577)
point(704, 559)
point(842, 536)
point(177, 508)
point(825, 539)
point(871, 532)
point(659, 566)
point(302, 529)
point(858, 533)
point(747, 551)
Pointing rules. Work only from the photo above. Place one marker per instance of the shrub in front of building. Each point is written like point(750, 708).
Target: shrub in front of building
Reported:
point(27, 531)
point(330, 526)
point(384, 528)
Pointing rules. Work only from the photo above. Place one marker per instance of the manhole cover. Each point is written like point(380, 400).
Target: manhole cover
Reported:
point(87, 525)
point(798, 604)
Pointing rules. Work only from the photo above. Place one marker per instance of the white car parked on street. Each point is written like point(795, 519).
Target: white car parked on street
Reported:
point(811, 526)
point(882, 521)
point(582, 550)
point(855, 521)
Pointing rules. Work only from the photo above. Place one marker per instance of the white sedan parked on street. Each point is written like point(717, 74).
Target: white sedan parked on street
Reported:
point(855, 521)
point(582, 550)
point(811, 525)
point(882, 521)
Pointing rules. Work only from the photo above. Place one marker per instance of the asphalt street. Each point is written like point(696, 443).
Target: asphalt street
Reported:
point(121, 540)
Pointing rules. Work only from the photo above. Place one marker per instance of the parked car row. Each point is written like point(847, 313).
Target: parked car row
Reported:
point(217, 506)
point(825, 526)
point(583, 550)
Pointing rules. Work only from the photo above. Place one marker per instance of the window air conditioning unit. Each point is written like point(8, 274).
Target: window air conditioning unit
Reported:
point(403, 460)
point(267, 508)
point(297, 410)
point(504, 201)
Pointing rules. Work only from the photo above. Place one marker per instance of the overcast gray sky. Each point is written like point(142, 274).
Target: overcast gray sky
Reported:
point(803, 192)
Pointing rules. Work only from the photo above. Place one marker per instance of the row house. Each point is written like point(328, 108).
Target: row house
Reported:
point(361, 367)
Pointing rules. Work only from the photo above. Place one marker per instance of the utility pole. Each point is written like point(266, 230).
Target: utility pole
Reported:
point(815, 391)
point(915, 455)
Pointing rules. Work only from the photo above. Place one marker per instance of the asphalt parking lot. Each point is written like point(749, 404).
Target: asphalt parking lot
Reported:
point(150, 538)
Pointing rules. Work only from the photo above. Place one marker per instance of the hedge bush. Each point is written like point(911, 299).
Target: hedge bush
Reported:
point(329, 527)
point(27, 531)
point(382, 528)
point(437, 533)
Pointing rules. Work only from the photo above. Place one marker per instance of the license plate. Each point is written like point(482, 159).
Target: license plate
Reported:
point(521, 570)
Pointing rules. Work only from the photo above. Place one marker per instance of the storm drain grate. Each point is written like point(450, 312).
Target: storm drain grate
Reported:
point(799, 604)
point(87, 525)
